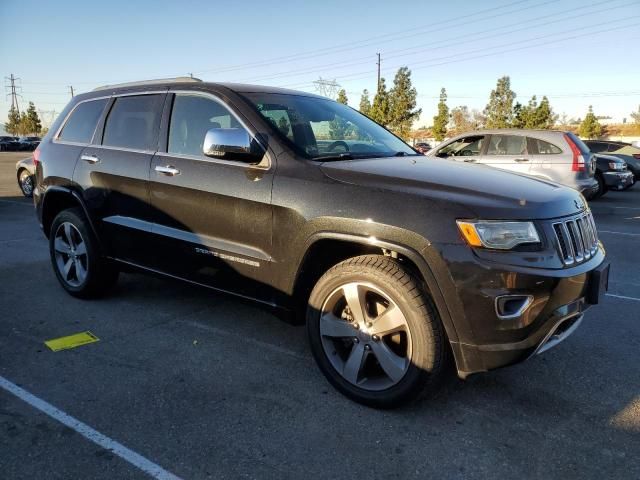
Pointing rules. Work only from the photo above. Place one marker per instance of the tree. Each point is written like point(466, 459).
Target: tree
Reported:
point(365, 103)
point(30, 121)
point(462, 120)
point(379, 111)
point(13, 122)
point(499, 110)
point(342, 97)
point(441, 120)
point(590, 127)
point(534, 115)
point(636, 116)
point(402, 104)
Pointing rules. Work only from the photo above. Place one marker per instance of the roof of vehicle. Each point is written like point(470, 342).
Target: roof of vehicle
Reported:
point(515, 130)
point(237, 87)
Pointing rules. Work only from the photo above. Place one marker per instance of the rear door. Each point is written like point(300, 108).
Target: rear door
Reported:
point(114, 173)
point(212, 217)
point(546, 158)
point(508, 152)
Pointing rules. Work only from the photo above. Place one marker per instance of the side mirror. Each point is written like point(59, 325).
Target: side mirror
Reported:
point(232, 144)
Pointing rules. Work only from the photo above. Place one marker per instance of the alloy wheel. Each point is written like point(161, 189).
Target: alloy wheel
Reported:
point(365, 336)
point(71, 254)
point(26, 183)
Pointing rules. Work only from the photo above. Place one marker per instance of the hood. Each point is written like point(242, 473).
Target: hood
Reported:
point(488, 192)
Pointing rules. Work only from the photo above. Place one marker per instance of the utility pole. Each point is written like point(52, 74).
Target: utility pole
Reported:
point(14, 95)
point(378, 64)
point(71, 90)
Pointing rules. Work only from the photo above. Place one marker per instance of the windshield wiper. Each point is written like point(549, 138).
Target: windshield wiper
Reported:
point(338, 156)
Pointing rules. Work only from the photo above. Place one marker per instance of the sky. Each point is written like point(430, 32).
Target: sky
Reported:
point(578, 53)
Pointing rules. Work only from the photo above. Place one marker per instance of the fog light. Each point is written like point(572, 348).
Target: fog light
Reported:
point(509, 307)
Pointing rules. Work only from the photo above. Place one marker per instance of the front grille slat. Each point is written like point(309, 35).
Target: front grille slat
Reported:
point(576, 238)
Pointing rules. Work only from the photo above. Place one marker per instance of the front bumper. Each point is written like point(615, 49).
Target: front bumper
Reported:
point(618, 180)
point(558, 300)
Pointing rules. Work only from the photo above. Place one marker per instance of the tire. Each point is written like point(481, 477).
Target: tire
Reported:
point(25, 182)
point(393, 368)
point(602, 187)
point(75, 250)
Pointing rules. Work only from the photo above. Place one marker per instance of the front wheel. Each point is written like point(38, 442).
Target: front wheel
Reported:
point(76, 258)
point(25, 181)
point(374, 332)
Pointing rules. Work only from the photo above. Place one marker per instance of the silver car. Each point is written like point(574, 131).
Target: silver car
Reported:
point(553, 155)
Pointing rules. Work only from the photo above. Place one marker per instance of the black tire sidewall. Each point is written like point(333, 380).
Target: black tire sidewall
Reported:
point(426, 350)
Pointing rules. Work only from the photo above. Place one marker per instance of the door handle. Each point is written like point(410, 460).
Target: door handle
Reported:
point(521, 159)
point(89, 158)
point(168, 170)
point(470, 160)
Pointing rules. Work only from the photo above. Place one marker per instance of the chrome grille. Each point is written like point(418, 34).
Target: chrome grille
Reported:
point(576, 238)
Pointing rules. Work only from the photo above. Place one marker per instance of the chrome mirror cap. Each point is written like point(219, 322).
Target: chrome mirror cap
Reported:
point(231, 144)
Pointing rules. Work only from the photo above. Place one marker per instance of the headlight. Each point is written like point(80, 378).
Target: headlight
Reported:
point(498, 234)
point(616, 165)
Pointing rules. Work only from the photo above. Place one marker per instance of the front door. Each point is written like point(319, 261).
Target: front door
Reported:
point(212, 217)
point(466, 149)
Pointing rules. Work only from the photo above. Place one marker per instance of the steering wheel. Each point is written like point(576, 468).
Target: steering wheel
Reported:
point(332, 146)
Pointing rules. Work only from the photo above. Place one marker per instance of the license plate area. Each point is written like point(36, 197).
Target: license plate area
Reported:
point(598, 284)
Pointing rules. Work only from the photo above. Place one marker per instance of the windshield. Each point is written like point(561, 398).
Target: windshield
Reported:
point(323, 129)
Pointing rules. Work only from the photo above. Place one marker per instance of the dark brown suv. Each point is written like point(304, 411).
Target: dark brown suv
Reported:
point(401, 262)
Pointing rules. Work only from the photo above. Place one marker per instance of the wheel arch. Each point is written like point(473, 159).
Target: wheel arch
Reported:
point(326, 249)
point(58, 198)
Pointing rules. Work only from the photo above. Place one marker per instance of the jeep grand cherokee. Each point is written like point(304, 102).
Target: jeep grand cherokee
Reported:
point(401, 262)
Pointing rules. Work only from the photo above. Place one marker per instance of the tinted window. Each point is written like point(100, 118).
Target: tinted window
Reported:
point(463, 147)
point(133, 122)
point(506, 145)
point(192, 116)
point(82, 123)
point(535, 146)
point(597, 147)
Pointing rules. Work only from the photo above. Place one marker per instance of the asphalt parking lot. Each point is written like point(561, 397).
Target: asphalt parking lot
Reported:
point(203, 386)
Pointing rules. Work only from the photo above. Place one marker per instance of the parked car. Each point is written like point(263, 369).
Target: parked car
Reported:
point(611, 174)
point(8, 144)
point(248, 191)
point(28, 144)
point(25, 170)
point(422, 147)
point(552, 155)
point(624, 151)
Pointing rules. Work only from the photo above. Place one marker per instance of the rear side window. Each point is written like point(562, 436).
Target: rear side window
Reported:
point(535, 146)
point(133, 122)
point(82, 122)
point(507, 145)
point(191, 117)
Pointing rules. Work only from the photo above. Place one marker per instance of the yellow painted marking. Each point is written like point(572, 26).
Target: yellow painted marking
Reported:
point(71, 341)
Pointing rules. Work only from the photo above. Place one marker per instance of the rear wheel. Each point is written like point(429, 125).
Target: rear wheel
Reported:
point(76, 258)
point(374, 333)
point(25, 181)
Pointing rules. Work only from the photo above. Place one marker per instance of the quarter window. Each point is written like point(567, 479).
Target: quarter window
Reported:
point(133, 122)
point(540, 147)
point(82, 122)
point(191, 117)
point(507, 145)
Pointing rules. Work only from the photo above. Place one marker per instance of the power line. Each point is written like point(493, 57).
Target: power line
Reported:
point(473, 38)
point(364, 74)
point(326, 88)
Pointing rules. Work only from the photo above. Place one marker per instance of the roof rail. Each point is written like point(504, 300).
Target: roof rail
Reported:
point(149, 82)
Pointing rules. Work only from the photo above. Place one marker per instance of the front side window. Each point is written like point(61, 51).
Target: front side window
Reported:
point(320, 128)
point(191, 117)
point(463, 147)
point(507, 145)
point(82, 123)
point(535, 146)
point(133, 122)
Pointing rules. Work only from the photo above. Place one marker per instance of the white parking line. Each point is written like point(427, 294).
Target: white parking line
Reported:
point(624, 297)
point(147, 466)
point(620, 233)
